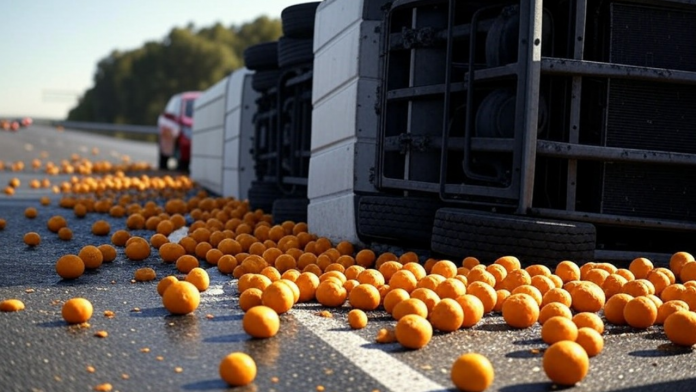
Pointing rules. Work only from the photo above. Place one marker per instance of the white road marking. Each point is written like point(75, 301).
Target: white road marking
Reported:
point(378, 364)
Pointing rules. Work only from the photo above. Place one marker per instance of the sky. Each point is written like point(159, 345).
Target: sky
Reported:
point(49, 49)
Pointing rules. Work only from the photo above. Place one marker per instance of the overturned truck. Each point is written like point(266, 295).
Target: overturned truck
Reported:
point(548, 130)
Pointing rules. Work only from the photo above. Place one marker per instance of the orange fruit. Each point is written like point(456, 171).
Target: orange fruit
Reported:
point(91, 256)
point(261, 322)
point(429, 297)
point(307, 283)
point(331, 294)
point(501, 296)
point(614, 308)
point(393, 297)
point(590, 340)
point(628, 275)
point(554, 309)
point(357, 319)
point(144, 275)
point(181, 298)
point(613, 285)
point(186, 263)
point(70, 267)
point(170, 252)
point(589, 320)
point(65, 234)
point(543, 283)
point(250, 298)
point(364, 296)
point(557, 295)
point(473, 309)
point(470, 262)
point(588, 297)
point(278, 296)
point(516, 278)
point(371, 276)
point(101, 228)
point(293, 287)
point(659, 279)
point(529, 290)
point(32, 239)
point(566, 362)
point(237, 369)
point(688, 271)
point(638, 288)
point(520, 311)
point(498, 271)
point(668, 308)
point(248, 281)
point(672, 292)
point(640, 267)
point(472, 372)
point(538, 270)
point(409, 306)
point(430, 282)
point(510, 263)
point(447, 315)
point(450, 288)
point(485, 293)
point(444, 268)
point(77, 310)
point(352, 272)
point(56, 222)
point(597, 276)
point(413, 331)
point(138, 250)
point(365, 258)
point(164, 284)
point(558, 328)
point(481, 275)
point(640, 312)
point(199, 278)
point(677, 261)
point(11, 305)
point(567, 271)
point(403, 279)
point(680, 328)
point(389, 268)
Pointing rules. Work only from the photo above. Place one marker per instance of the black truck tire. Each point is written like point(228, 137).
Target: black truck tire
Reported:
point(293, 52)
point(298, 20)
point(459, 233)
point(396, 218)
point(290, 209)
point(262, 56)
point(264, 80)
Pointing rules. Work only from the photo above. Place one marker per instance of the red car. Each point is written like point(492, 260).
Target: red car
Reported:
point(175, 131)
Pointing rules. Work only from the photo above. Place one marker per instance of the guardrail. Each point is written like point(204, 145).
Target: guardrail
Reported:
point(108, 128)
point(122, 131)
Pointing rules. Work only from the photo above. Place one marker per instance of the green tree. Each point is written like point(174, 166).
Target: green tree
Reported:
point(133, 87)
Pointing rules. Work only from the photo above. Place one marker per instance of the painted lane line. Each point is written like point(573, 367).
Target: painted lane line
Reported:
point(379, 365)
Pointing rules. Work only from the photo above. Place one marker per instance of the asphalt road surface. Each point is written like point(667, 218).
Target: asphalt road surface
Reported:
point(148, 350)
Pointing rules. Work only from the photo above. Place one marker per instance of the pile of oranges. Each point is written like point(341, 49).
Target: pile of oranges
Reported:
point(279, 265)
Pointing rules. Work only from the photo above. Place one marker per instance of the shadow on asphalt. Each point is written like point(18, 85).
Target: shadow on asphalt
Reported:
point(495, 327)
point(663, 350)
point(522, 354)
point(215, 385)
point(534, 386)
point(672, 386)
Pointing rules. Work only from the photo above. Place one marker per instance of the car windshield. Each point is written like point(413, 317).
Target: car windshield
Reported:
point(188, 109)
